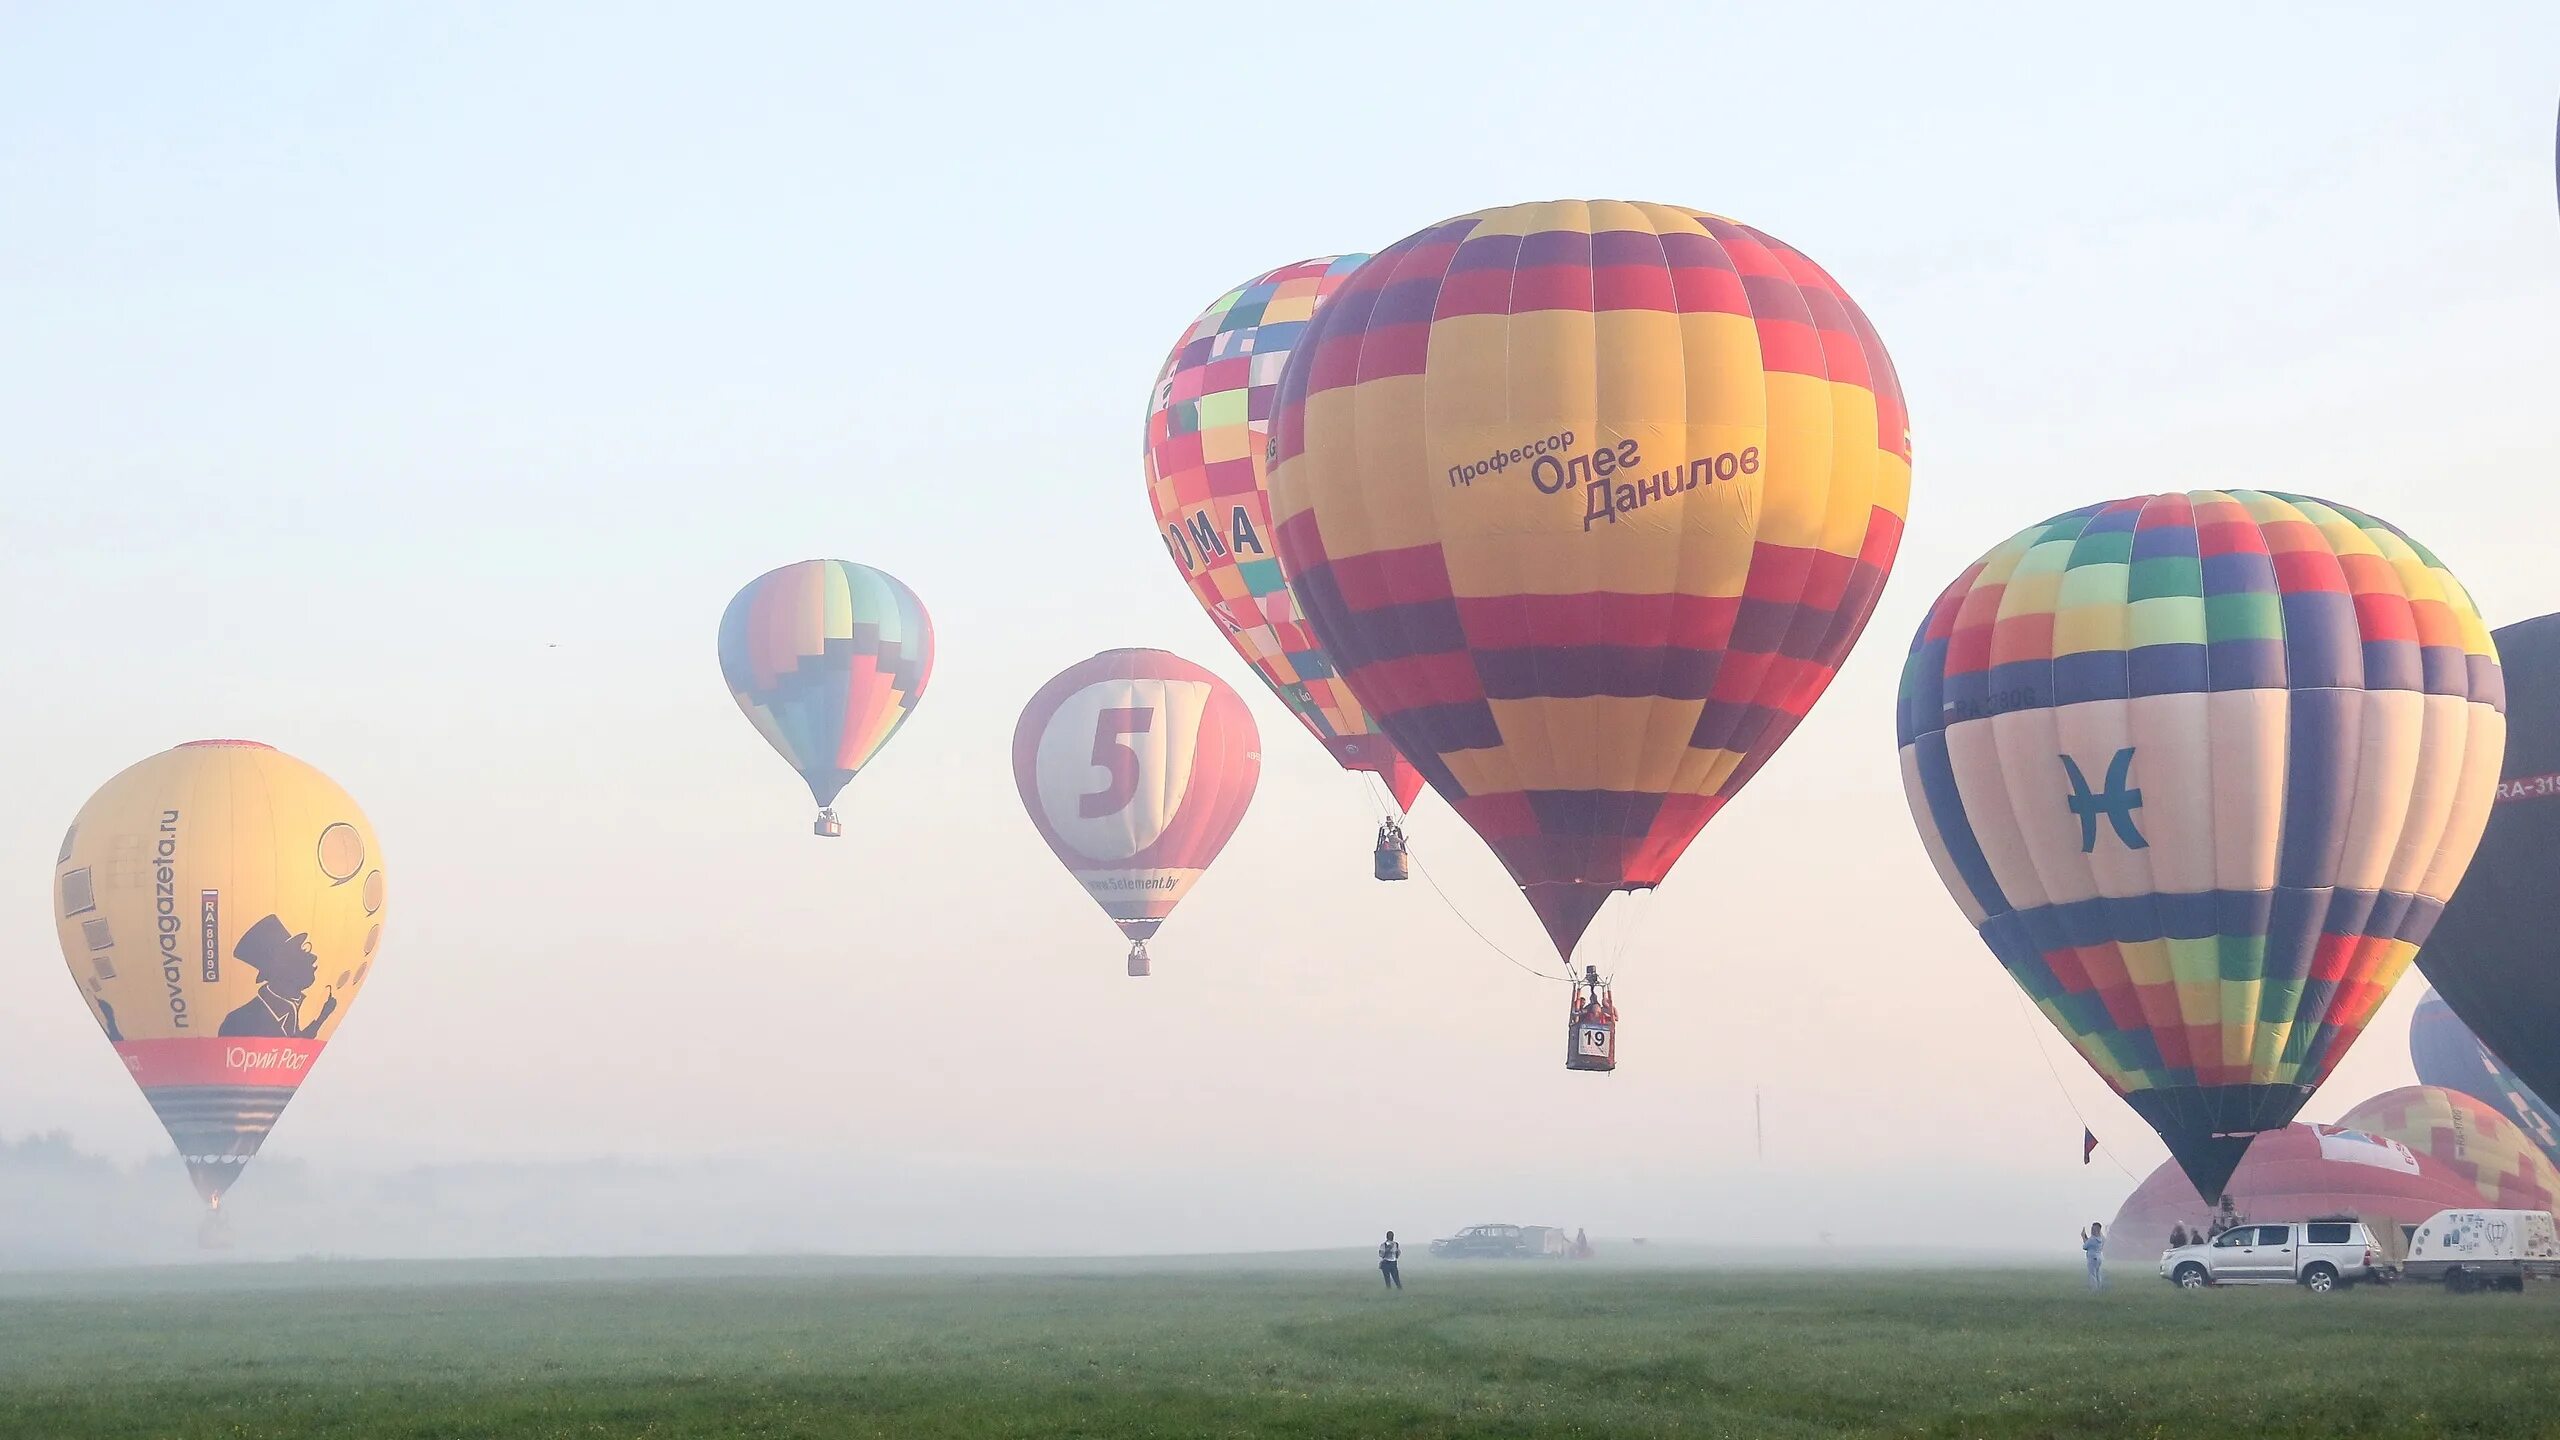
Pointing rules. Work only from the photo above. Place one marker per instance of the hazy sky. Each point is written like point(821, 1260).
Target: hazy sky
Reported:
point(354, 357)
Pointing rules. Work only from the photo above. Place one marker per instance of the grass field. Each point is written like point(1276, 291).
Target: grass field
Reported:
point(1297, 1348)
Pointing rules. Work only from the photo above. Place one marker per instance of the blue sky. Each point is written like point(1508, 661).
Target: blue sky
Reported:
point(353, 357)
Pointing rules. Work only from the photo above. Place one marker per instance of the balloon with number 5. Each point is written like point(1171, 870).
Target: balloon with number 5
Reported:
point(1135, 766)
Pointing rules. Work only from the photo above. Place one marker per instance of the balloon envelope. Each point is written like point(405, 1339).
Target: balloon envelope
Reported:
point(2444, 1052)
point(1588, 500)
point(2202, 769)
point(2301, 1172)
point(1136, 766)
point(2473, 1140)
point(220, 906)
point(2495, 957)
point(1207, 462)
point(827, 659)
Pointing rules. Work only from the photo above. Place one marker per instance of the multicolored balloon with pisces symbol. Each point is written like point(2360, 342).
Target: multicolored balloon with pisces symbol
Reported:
point(2203, 768)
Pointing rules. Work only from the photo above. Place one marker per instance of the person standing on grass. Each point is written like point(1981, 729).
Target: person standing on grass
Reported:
point(1388, 1255)
point(2093, 1243)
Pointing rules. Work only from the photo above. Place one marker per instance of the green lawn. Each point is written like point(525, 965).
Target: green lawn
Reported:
point(828, 1348)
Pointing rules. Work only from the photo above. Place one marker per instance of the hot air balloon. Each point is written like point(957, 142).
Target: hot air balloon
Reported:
point(2202, 769)
point(1206, 458)
point(2444, 1052)
point(2494, 957)
point(2472, 1139)
point(828, 659)
point(1588, 500)
point(220, 906)
point(2299, 1172)
point(1135, 766)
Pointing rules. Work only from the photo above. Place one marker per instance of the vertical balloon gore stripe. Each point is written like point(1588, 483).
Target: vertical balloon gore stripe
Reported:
point(827, 659)
point(2203, 770)
point(1588, 501)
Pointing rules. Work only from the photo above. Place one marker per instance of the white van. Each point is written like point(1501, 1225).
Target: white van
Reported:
point(2319, 1255)
point(2484, 1249)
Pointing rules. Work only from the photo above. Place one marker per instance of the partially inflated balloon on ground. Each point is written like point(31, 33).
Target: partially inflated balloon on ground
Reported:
point(827, 659)
point(1207, 465)
point(2444, 1052)
point(2301, 1172)
point(2202, 769)
point(1588, 500)
point(220, 906)
point(1136, 766)
point(2473, 1140)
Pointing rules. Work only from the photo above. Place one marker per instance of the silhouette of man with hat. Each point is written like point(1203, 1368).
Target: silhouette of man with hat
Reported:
point(286, 969)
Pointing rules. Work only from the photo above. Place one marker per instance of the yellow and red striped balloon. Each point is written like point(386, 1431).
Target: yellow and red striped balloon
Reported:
point(1588, 500)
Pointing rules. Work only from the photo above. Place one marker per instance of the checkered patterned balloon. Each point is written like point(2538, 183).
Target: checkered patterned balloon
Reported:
point(2475, 1141)
point(2203, 768)
point(827, 659)
point(2445, 1053)
point(1589, 500)
point(1207, 457)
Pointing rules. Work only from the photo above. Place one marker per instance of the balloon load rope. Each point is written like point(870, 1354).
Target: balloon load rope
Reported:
point(1425, 872)
point(2027, 1015)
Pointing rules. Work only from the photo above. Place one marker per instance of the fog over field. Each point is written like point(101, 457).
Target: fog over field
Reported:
point(65, 1208)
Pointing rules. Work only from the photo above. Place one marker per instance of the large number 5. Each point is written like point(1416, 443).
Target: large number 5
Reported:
point(1114, 755)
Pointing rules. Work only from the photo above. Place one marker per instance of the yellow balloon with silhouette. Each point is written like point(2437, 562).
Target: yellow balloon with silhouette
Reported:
point(219, 905)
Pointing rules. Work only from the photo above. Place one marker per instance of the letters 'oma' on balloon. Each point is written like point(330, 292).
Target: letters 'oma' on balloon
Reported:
point(2203, 768)
point(204, 904)
point(1206, 458)
point(1588, 500)
point(1136, 766)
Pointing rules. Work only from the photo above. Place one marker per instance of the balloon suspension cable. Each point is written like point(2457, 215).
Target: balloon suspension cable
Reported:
point(1623, 929)
point(1380, 799)
point(2027, 1014)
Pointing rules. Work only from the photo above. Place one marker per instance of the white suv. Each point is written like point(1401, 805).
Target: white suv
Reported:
point(2319, 1255)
